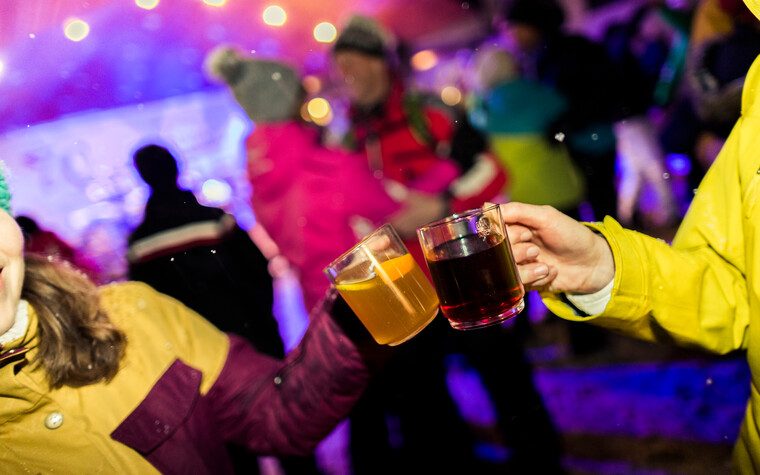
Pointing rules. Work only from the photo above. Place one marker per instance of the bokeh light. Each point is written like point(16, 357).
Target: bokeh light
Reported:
point(76, 29)
point(312, 84)
point(325, 32)
point(451, 96)
point(424, 60)
point(678, 164)
point(305, 112)
point(2, 69)
point(318, 108)
point(274, 16)
point(216, 192)
point(147, 4)
point(215, 3)
point(324, 121)
point(320, 111)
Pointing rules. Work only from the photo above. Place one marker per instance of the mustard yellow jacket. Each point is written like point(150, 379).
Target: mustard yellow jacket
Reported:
point(704, 290)
point(183, 389)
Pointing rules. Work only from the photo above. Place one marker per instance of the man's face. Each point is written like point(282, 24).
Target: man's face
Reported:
point(366, 77)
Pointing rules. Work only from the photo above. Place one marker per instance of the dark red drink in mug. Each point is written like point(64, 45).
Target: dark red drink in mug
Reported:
point(472, 268)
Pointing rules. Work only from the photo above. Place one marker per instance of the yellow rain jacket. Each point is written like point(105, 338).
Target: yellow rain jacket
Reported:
point(704, 290)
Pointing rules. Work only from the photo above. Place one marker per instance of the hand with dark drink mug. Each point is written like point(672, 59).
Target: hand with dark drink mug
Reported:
point(556, 253)
point(470, 261)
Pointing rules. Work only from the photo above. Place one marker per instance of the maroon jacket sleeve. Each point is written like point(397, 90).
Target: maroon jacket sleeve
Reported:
point(287, 407)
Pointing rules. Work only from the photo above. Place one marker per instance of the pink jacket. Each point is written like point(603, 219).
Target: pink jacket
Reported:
point(306, 196)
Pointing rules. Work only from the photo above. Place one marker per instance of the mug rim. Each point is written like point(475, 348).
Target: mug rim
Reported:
point(358, 245)
point(460, 216)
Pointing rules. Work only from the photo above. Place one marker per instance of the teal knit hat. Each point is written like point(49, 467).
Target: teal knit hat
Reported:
point(5, 194)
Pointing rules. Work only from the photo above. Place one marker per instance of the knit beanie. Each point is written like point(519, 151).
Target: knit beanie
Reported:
point(5, 194)
point(366, 36)
point(268, 91)
point(545, 15)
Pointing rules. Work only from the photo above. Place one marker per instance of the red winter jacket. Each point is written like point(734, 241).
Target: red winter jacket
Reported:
point(406, 138)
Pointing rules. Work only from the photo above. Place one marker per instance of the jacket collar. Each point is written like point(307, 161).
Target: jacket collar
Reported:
point(20, 338)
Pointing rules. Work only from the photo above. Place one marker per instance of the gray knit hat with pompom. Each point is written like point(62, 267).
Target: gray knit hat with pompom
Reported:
point(268, 91)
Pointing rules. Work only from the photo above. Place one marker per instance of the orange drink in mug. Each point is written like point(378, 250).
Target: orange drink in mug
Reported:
point(385, 287)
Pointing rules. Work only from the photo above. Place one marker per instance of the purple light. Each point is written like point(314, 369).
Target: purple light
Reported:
point(678, 164)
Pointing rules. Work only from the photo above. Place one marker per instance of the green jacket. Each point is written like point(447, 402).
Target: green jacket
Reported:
point(517, 116)
point(704, 290)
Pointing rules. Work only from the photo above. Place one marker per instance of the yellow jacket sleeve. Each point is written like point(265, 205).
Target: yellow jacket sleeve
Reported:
point(702, 290)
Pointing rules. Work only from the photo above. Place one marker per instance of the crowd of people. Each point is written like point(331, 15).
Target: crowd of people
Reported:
point(182, 369)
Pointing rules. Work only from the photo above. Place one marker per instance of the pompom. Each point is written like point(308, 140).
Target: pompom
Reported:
point(224, 64)
point(5, 194)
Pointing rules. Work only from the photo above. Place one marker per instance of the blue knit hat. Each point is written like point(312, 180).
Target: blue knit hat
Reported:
point(5, 194)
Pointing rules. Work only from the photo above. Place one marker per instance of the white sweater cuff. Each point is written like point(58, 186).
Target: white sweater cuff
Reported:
point(593, 304)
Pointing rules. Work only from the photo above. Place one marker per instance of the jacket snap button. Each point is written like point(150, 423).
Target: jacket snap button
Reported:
point(54, 420)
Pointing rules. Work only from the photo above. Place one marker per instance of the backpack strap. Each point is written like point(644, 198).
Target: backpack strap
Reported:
point(414, 111)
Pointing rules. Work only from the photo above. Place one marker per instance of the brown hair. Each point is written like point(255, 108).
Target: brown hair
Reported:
point(78, 343)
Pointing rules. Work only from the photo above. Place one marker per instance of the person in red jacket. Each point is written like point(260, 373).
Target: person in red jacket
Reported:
point(404, 135)
point(404, 132)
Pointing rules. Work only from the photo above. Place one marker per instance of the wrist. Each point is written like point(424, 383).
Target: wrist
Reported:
point(604, 267)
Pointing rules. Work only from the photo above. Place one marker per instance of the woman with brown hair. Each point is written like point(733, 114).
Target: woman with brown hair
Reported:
point(123, 379)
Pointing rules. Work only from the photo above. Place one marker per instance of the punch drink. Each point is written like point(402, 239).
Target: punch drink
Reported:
point(385, 287)
point(395, 303)
point(475, 280)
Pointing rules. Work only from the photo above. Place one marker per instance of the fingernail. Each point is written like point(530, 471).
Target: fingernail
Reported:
point(532, 252)
point(541, 270)
point(525, 236)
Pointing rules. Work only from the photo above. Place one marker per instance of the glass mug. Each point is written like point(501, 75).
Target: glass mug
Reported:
point(473, 271)
point(385, 287)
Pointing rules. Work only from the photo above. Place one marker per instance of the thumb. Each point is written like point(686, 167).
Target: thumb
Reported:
point(530, 216)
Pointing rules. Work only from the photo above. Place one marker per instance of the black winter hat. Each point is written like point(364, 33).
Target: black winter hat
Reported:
point(366, 36)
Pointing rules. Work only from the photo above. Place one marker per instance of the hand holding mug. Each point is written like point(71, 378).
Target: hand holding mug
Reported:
point(556, 253)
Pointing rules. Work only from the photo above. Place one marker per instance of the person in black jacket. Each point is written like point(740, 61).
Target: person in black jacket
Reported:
point(200, 256)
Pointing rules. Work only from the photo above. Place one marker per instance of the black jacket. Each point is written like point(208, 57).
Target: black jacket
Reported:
point(201, 257)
